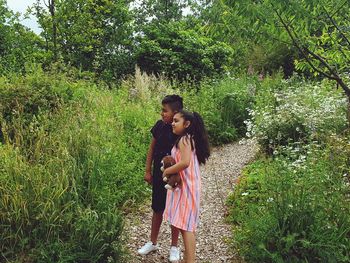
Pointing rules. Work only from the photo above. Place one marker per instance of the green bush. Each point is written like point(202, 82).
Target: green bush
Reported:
point(224, 106)
point(295, 207)
point(23, 99)
point(94, 237)
point(180, 52)
point(67, 171)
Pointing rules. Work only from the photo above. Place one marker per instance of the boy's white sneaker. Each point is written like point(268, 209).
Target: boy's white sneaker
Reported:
point(174, 254)
point(147, 248)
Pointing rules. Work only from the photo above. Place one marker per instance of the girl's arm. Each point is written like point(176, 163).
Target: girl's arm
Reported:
point(185, 153)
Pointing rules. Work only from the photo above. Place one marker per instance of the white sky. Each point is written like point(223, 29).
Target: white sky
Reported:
point(21, 7)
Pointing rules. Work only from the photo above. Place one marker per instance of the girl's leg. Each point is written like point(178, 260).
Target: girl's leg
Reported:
point(157, 219)
point(190, 246)
point(174, 236)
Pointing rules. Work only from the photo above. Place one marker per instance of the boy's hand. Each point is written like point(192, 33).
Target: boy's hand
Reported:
point(148, 177)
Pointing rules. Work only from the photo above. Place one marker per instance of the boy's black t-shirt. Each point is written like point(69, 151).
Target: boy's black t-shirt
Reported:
point(165, 140)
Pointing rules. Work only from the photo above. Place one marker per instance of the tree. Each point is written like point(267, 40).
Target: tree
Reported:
point(18, 44)
point(52, 10)
point(318, 29)
point(160, 11)
point(90, 34)
point(257, 45)
point(325, 46)
point(180, 52)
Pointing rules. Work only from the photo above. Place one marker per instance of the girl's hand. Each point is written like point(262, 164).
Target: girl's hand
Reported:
point(165, 172)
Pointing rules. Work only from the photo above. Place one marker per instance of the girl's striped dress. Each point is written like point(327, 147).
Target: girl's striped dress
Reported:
point(182, 203)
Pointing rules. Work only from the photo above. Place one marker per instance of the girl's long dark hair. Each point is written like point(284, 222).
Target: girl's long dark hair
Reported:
point(198, 133)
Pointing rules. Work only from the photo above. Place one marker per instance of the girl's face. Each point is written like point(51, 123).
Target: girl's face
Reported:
point(167, 113)
point(179, 124)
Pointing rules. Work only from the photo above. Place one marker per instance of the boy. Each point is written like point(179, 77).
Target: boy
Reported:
point(160, 146)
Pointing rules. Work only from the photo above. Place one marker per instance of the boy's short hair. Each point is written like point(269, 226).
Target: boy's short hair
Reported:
point(174, 101)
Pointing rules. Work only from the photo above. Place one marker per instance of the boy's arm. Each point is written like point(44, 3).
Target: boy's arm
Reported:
point(149, 159)
point(185, 153)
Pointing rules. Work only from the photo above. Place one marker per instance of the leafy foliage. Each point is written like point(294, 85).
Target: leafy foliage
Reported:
point(92, 35)
point(18, 45)
point(224, 106)
point(180, 52)
point(158, 11)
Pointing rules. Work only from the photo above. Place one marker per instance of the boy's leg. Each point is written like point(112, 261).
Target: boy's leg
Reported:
point(150, 246)
point(174, 236)
point(158, 202)
point(174, 252)
point(157, 219)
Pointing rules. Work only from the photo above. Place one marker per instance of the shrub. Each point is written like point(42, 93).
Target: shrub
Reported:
point(224, 106)
point(181, 53)
point(67, 172)
point(295, 207)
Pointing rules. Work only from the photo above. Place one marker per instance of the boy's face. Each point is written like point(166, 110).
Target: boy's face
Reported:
point(167, 113)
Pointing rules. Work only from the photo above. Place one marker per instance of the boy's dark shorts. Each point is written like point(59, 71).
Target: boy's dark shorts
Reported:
point(158, 191)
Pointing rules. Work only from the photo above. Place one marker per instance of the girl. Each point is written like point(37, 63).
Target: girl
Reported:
point(190, 150)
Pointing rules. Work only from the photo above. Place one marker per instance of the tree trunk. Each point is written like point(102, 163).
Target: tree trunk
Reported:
point(346, 89)
point(54, 28)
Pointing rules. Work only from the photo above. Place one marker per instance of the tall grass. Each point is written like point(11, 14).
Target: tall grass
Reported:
point(67, 171)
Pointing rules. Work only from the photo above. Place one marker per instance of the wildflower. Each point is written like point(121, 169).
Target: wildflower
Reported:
point(269, 200)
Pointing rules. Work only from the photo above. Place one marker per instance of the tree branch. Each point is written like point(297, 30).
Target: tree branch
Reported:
point(300, 48)
point(305, 51)
point(47, 5)
point(341, 6)
point(336, 26)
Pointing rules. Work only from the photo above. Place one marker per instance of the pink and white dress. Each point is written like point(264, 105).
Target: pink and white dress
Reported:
point(182, 203)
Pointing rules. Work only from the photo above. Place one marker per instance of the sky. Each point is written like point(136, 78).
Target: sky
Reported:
point(21, 7)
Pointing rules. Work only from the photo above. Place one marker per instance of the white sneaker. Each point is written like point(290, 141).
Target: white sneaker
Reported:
point(174, 254)
point(147, 248)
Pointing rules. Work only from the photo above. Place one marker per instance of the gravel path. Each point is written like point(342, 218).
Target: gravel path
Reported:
point(218, 177)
